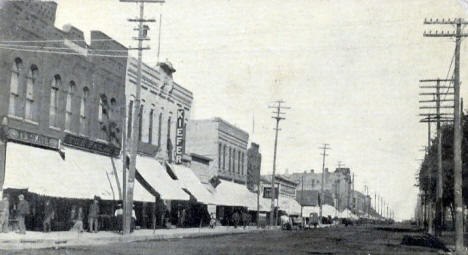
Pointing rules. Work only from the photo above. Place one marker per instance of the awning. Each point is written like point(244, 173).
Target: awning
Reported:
point(234, 194)
point(192, 183)
point(81, 175)
point(289, 205)
point(157, 176)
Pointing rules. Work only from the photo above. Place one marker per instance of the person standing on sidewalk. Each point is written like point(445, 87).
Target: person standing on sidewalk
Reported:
point(4, 214)
point(78, 226)
point(49, 215)
point(236, 219)
point(93, 215)
point(23, 210)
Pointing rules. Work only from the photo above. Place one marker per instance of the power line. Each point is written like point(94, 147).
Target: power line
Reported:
point(63, 52)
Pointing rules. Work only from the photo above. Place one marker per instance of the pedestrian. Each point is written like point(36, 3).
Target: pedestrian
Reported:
point(4, 214)
point(133, 220)
point(212, 220)
point(78, 221)
point(119, 218)
point(93, 215)
point(245, 219)
point(236, 219)
point(49, 215)
point(23, 210)
point(183, 217)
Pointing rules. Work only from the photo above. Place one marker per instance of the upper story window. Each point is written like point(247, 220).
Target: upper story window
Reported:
point(69, 105)
point(31, 80)
point(150, 128)
point(16, 70)
point(100, 110)
point(140, 120)
point(113, 111)
point(159, 128)
point(54, 101)
point(83, 111)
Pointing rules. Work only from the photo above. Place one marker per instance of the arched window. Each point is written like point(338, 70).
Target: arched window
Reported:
point(220, 148)
point(230, 160)
point(239, 162)
point(31, 78)
point(224, 157)
point(140, 119)
point(54, 102)
point(83, 109)
point(100, 110)
point(150, 129)
point(159, 128)
point(68, 106)
point(113, 110)
point(14, 86)
point(130, 119)
point(169, 128)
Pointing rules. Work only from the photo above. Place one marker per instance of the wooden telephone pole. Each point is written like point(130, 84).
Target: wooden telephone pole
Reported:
point(277, 116)
point(325, 147)
point(437, 117)
point(457, 137)
point(129, 182)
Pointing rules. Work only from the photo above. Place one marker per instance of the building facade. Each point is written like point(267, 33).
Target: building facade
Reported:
point(254, 163)
point(223, 142)
point(55, 85)
point(337, 186)
point(161, 98)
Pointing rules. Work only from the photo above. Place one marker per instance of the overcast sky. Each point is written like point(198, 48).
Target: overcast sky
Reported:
point(349, 70)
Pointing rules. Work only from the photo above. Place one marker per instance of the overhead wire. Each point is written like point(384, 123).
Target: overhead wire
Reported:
point(63, 52)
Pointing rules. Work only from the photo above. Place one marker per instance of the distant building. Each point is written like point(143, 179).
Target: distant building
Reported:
point(254, 162)
point(223, 142)
point(285, 193)
point(337, 187)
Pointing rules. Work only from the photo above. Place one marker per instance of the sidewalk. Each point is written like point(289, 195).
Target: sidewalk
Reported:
point(35, 240)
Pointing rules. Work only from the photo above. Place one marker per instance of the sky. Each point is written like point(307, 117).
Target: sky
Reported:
point(349, 70)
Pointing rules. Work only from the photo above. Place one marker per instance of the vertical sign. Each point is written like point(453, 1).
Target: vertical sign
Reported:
point(180, 143)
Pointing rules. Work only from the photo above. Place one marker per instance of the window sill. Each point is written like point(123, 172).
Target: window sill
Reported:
point(15, 117)
point(31, 122)
point(55, 128)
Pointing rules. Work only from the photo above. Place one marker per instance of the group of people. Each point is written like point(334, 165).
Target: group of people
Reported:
point(22, 210)
point(238, 216)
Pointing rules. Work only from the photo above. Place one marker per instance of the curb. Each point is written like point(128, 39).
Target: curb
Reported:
point(23, 244)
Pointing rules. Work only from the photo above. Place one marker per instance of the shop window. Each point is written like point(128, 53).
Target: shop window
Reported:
point(53, 111)
point(14, 86)
point(68, 106)
point(31, 79)
point(83, 108)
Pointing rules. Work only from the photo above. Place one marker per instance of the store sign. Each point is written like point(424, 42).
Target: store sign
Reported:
point(92, 146)
point(180, 143)
point(267, 192)
point(22, 136)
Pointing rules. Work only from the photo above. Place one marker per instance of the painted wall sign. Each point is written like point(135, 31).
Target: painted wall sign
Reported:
point(89, 145)
point(22, 136)
point(180, 143)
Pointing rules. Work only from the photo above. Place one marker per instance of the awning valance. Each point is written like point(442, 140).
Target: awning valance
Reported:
point(81, 174)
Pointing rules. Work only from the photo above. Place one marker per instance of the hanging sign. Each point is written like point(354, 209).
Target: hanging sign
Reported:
point(180, 143)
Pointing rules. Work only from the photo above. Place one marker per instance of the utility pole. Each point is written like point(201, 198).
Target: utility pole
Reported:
point(277, 116)
point(438, 117)
point(130, 181)
point(457, 136)
point(325, 147)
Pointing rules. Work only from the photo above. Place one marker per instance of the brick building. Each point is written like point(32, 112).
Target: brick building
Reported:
point(55, 86)
point(224, 143)
point(161, 98)
point(337, 186)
